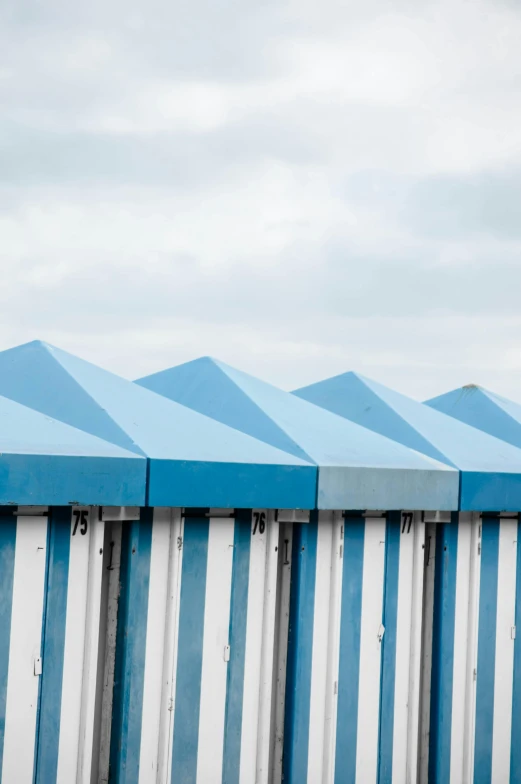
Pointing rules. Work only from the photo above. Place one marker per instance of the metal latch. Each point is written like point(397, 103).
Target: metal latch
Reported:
point(38, 665)
point(381, 632)
point(226, 653)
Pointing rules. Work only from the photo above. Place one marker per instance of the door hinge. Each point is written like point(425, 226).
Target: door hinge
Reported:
point(513, 633)
point(335, 687)
point(475, 674)
point(381, 632)
point(170, 704)
point(226, 653)
point(38, 665)
point(179, 542)
point(341, 551)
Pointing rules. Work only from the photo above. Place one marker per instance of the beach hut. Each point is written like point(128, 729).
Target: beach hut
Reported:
point(54, 484)
point(196, 581)
point(467, 698)
point(499, 417)
point(352, 695)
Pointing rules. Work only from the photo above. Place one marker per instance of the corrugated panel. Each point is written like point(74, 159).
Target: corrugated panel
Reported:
point(195, 661)
point(50, 587)
point(475, 683)
point(353, 655)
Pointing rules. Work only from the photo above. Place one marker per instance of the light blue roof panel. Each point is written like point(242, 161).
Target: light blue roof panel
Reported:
point(357, 468)
point(491, 469)
point(46, 462)
point(482, 409)
point(194, 460)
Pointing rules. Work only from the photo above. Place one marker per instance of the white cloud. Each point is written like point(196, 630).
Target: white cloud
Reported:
point(299, 187)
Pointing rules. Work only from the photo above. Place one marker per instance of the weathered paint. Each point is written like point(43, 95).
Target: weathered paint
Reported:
point(350, 673)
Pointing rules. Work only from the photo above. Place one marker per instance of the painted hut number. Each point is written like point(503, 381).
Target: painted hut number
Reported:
point(80, 517)
point(259, 522)
point(406, 522)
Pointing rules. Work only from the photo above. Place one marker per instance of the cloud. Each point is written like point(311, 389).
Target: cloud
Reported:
point(299, 188)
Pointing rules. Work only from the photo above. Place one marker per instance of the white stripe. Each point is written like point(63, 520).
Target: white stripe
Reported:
point(506, 608)
point(370, 652)
point(214, 667)
point(73, 657)
point(268, 651)
point(472, 645)
point(25, 642)
point(320, 653)
point(153, 676)
point(252, 663)
point(166, 731)
point(333, 647)
point(415, 660)
point(402, 656)
point(461, 618)
point(92, 666)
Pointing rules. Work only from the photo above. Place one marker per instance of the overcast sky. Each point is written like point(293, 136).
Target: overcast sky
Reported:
point(297, 187)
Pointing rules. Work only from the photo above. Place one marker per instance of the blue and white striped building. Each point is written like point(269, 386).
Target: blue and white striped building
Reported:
point(237, 585)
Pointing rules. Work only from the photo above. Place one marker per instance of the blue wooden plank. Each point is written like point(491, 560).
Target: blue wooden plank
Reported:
point(300, 651)
point(388, 674)
point(237, 641)
point(7, 556)
point(515, 754)
point(442, 674)
point(48, 729)
point(349, 660)
point(486, 651)
point(129, 673)
point(190, 652)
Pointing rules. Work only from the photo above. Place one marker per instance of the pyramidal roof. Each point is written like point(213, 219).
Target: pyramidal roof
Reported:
point(193, 460)
point(45, 462)
point(357, 468)
point(491, 468)
point(482, 409)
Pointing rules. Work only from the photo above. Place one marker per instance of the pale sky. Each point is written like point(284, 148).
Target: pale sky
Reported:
point(298, 188)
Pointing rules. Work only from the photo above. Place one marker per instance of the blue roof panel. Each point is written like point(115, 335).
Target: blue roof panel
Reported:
point(482, 409)
point(46, 462)
point(357, 468)
point(184, 447)
point(491, 469)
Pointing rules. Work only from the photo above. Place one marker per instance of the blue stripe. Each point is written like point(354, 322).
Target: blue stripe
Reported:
point(486, 650)
point(300, 652)
point(349, 662)
point(237, 640)
point(390, 619)
point(53, 647)
point(515, 753)
point(442, 674)
point(190, 652)
point(7, 553)
point(125, 742)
